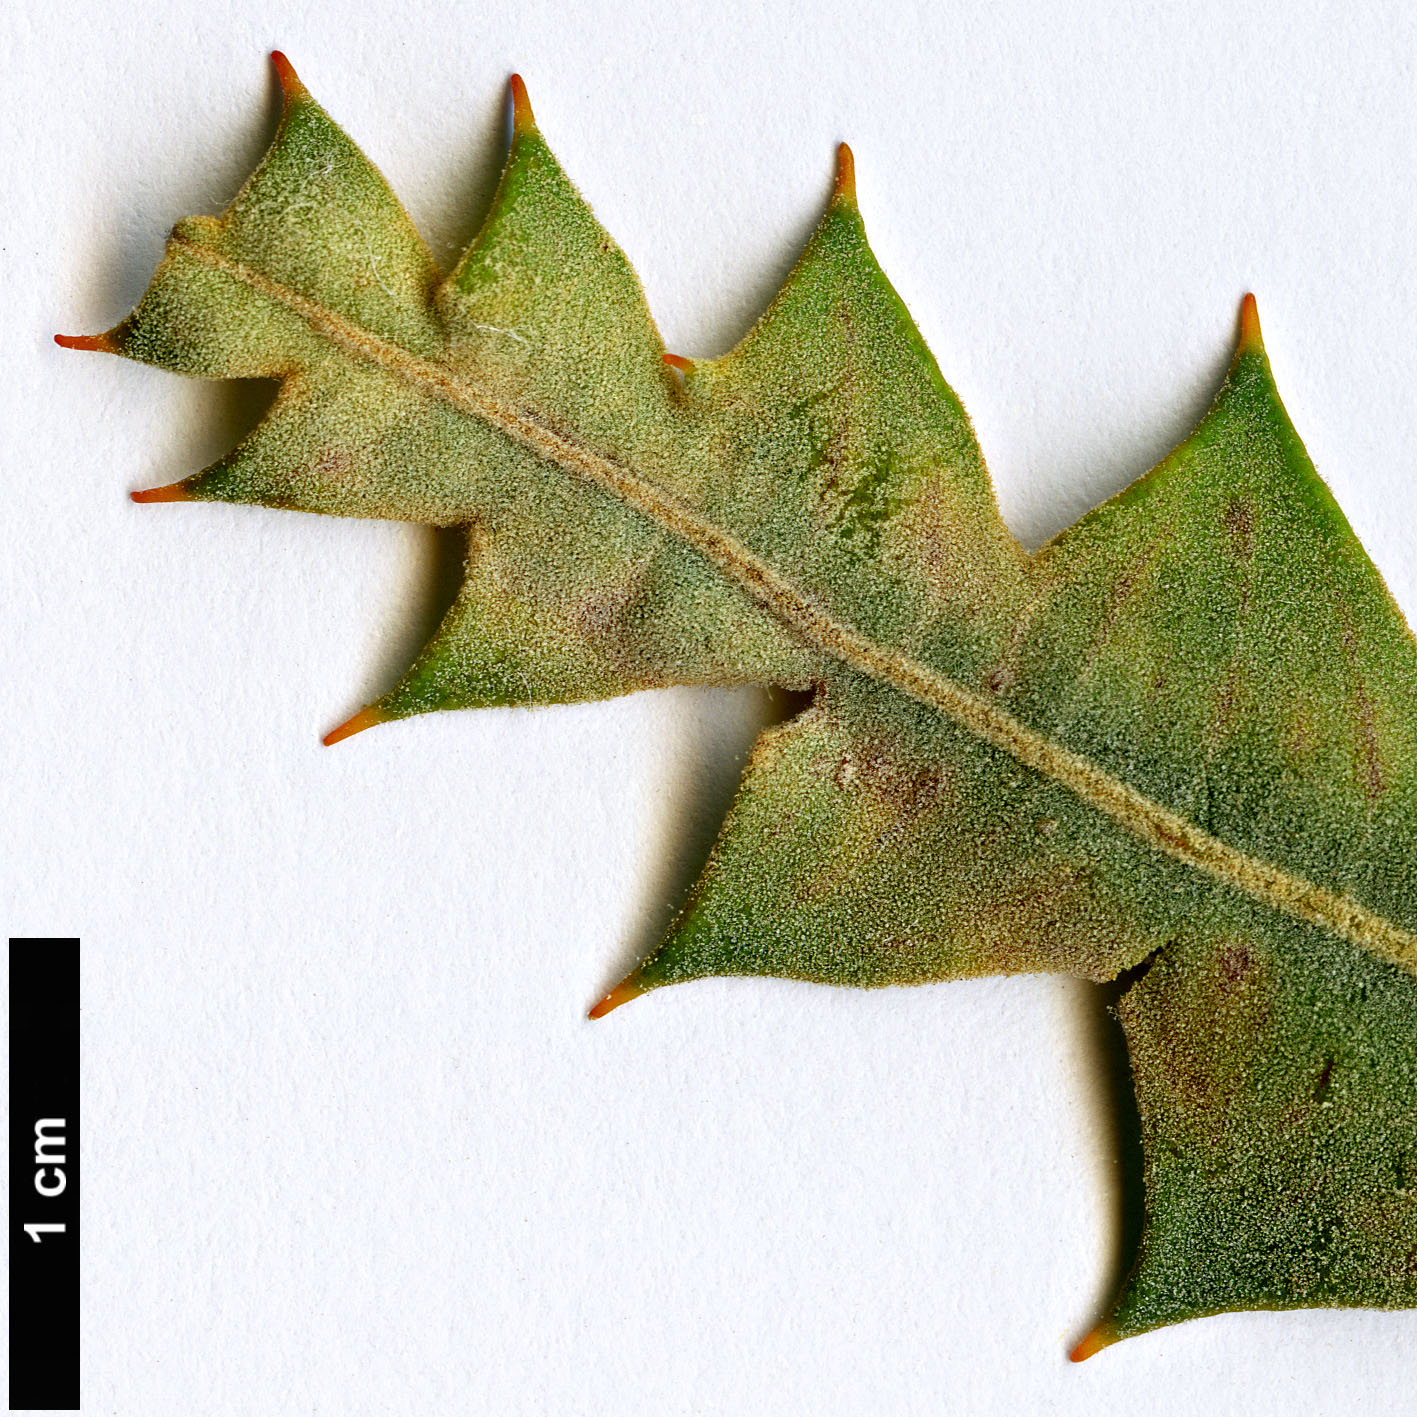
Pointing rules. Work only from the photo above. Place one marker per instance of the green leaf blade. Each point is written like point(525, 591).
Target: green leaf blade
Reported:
point(1181, 740)
point(1217, 636)
point(1276, 1075)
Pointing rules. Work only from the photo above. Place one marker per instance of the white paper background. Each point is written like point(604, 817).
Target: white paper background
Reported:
point(349, 1144)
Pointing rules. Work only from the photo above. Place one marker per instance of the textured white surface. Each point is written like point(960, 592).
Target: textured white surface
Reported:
point(349, 1144)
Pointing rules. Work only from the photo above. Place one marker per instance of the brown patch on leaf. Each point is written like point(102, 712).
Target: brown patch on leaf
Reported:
point(943, 546)
point(904, 787)
point(1227, 702)
point(1122, 592)
point(332, 463)
point(1202, 1030)
point(1235, 965)
point(1240, 527)
point(888, 798)
point(1043, 915)
point(1323, 1084)
point(1371, 762)
point(1299, 739)
point(602, 611)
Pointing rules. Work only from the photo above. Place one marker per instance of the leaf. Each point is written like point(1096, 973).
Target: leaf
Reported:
point(1176, 746)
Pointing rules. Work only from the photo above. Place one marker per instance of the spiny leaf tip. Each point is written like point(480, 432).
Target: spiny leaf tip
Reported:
point(365, 718)
point(290, 86)
point(172, 492)
point(523, 119)
point(1103, 1336)
point(845, 174)
point(622, 993)
point(1251, 340)
point(103, 343)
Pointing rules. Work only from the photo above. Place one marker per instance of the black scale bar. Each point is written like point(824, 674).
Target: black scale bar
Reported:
point(44, 1175)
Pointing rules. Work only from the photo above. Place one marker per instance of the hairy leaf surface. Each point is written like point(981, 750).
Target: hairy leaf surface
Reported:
point(1178, 743)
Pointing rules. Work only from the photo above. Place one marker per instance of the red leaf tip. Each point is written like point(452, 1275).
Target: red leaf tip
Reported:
point(845, 174)
point(290, 85)
point(173, 492)
point(677, 361)
point(622, 993)
point(102, 343)
point(523, 119)
point(1103, 1336)
point(365, 718)
point(1251, 340)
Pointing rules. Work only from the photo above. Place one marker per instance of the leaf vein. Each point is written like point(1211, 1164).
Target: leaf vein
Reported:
point(1155, 824)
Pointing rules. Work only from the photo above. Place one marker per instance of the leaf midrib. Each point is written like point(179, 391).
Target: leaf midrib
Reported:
point(1158, 826)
